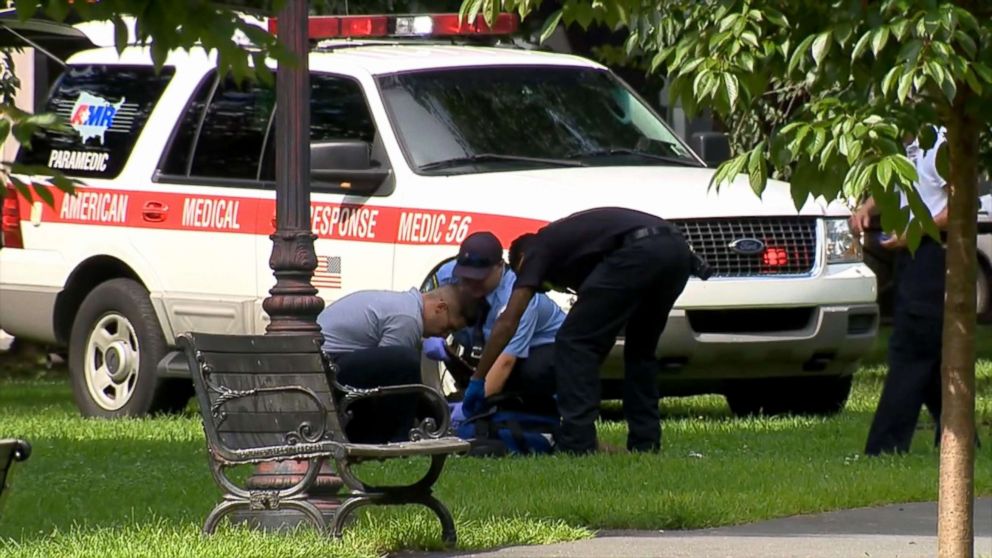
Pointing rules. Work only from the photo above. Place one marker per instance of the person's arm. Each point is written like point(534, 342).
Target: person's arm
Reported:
point(861, 218)
point(518, 347)
point(499, 373)
point(503, 329)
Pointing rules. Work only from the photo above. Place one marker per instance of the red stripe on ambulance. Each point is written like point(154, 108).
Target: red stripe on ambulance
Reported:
point(246, 215)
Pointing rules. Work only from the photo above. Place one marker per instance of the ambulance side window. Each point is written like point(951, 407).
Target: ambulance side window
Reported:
point(338, 111)
point(105, 107)
point(231, 137)
point(179, 155)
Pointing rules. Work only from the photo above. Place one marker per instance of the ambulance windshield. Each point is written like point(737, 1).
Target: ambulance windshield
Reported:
point(496, 118)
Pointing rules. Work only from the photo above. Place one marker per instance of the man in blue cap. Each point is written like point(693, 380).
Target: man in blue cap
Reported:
point(525, 365)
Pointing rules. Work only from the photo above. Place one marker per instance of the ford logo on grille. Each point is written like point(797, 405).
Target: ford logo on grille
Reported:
point(747, 246)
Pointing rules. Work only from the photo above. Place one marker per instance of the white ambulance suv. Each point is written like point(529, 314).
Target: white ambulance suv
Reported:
point(414, 145)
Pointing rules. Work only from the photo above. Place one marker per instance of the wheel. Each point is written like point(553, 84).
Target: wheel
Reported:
point(820, 395)
point(983, 293)
point(437, 375)
point(114, 349)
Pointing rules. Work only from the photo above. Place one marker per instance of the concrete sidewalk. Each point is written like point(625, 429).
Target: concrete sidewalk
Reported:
point(899, 530)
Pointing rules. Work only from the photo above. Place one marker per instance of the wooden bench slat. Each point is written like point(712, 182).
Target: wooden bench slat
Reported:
point(284, 421)
point(219, 343)
point(317, 382)
point(241, 441)
point(274, 404)
point(264, 363)
point(437, 446)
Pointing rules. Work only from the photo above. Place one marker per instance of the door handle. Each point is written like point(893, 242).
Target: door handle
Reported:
point(154, 212)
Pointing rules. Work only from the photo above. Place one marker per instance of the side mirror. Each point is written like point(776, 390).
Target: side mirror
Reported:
point(713, 147)
point(348, 164)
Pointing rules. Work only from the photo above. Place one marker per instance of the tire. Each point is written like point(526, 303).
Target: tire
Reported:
point(983, 292)
point(816, 396)
point(436, 375)
point(114, 349)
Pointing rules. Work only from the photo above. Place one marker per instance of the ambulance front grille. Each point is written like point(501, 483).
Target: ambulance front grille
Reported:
point(789, 244)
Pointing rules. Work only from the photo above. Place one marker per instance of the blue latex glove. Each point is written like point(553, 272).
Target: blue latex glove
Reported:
point(434, 349)
point(475, 396)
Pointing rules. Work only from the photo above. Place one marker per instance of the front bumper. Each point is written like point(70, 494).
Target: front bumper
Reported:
point(831, 342)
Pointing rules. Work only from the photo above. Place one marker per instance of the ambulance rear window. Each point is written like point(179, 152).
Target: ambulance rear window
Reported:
point(105, 107)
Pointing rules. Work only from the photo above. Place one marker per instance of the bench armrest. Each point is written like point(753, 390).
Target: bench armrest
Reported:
point(435, 426)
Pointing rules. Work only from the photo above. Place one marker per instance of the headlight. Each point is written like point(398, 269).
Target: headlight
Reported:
point(842, 245)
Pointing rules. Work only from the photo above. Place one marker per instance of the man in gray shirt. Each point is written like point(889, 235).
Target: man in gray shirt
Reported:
point(374, 337)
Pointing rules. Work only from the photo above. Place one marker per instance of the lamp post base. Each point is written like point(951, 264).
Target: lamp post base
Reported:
point(324, 494)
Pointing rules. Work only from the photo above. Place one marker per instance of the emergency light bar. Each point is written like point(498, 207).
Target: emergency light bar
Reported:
point(434, 25)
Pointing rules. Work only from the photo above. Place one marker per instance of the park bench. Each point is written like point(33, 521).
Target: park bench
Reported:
point(276, 398)
point(11, 451)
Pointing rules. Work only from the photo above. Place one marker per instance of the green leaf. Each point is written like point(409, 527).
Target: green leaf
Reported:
point(797, 143)
point(966, 19)
point(903, 168)
point(549, 26)
point(750, 38)
point(967, 43)
point(899, 28)
point(827, 153)
point(943, 161)
point(949, 87)
point(728, 171)
point(927, 136)
point(821, 46)
point(4, 129)
point(120, 35)
point(57, 10)
point(883, 171)
point(799, 53)
point(878, 40)
point(730, 84)
point(973, 82)
point(853, 150)
point(776, 17)
point(26, 9)
point(982, 70)
point(45, 194)
point(22, 133)
point(757, 173)
point(860, 46)
point(799, 191)
point(905, 85)
point(910, 51)
point(819, 139)
point(780, 154)
point(67, 185)
point(21, 187)
point(470, 9)
point(728, 22)
point(890, 79)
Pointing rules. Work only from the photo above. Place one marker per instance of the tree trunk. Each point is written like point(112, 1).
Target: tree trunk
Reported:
point(955, 524)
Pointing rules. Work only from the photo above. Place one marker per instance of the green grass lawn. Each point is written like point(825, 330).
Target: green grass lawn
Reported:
point(142, 487)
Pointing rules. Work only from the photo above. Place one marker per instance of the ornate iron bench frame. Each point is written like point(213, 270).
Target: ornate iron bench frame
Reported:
point(271, 372)
point(10, 451)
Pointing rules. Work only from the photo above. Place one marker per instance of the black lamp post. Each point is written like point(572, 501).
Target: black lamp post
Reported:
point(293, 304)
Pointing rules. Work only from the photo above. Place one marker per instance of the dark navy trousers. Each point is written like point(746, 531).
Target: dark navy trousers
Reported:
point(634, 286)
point(914, 356)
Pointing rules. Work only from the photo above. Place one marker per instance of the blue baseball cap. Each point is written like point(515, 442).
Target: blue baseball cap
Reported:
point(477, 255)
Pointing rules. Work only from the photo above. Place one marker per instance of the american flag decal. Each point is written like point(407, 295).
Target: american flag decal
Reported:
point(328, 272)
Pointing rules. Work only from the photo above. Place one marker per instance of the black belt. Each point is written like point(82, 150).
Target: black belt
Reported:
point(645, 232)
